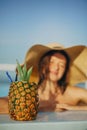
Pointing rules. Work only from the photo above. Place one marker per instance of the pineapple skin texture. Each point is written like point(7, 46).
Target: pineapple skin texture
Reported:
point(23, 101)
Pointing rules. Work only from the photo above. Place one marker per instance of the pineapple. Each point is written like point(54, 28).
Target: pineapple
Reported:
point(23, 96)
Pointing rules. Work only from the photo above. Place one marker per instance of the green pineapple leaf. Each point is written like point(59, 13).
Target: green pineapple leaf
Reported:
point(20, 72)
point(23, 73)
point(29, 73)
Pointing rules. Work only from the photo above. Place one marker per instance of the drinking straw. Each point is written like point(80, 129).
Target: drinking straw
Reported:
point(16, 77)
point(9, 77)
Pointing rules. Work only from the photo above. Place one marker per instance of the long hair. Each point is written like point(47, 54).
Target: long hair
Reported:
point(44, 68)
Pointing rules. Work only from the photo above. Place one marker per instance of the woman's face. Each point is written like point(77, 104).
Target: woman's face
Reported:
point(57, 67)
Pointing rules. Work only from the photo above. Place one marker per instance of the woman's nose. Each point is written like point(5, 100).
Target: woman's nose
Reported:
point(56, 67)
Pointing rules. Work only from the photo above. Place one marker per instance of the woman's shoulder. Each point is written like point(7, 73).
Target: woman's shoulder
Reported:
point(76, 90)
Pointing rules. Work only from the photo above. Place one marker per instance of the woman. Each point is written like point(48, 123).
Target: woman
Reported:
point(53, 72)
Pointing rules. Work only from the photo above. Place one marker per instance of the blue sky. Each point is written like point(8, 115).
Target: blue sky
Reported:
point(27, 22)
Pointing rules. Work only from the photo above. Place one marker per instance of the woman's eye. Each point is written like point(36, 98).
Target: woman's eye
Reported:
point(61, 65)
point(51, 61)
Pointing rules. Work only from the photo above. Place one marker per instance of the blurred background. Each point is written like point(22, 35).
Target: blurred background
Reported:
point(24, 23)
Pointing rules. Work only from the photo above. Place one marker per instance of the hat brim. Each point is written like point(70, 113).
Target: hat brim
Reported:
point(34, 54)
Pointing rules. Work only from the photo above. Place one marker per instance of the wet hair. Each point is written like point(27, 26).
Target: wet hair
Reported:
point(44, 68)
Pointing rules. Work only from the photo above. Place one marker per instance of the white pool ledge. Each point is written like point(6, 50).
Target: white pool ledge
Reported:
point(69, 120)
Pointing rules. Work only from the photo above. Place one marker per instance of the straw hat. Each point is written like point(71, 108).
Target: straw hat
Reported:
point(77, 54)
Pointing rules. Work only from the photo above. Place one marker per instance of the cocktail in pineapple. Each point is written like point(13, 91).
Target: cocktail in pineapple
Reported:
point(23, 96)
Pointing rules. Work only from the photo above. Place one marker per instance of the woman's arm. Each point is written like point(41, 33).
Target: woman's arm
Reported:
point(81, 93)
point(71, 107)
point(3, 105)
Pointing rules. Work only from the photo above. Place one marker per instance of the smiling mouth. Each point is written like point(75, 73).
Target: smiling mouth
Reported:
point(54, 72)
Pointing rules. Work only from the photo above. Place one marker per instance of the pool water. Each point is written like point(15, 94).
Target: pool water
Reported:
point(4, 88)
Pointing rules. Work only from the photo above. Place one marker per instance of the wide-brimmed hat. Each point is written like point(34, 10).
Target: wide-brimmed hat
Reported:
point(78, 59)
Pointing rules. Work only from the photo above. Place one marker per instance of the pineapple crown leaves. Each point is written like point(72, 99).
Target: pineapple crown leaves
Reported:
point(23, 73)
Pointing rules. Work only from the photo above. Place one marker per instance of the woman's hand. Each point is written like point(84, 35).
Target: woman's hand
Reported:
point(64, 106)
